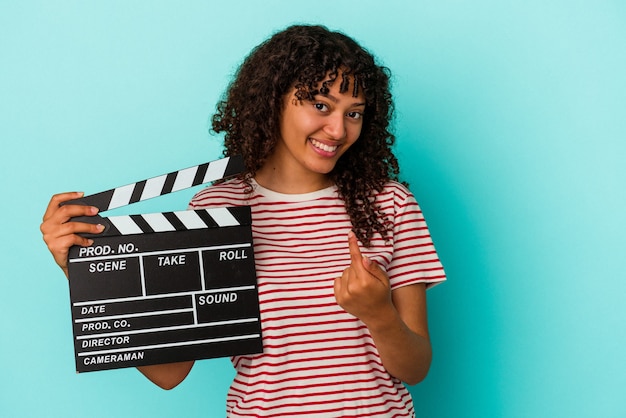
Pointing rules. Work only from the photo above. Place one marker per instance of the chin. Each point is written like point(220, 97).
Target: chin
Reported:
point(323, 169)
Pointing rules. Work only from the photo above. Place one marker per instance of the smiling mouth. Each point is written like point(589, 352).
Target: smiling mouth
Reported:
point(324, 147)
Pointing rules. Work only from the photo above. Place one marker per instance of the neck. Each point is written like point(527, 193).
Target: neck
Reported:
point(283, 180)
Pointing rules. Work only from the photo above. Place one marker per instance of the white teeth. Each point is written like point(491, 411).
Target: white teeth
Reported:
point(324, 147)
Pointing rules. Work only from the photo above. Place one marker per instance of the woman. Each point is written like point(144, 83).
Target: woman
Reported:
point(342, 252)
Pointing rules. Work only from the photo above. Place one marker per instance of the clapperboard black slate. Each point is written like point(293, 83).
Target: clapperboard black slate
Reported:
point(164, 287)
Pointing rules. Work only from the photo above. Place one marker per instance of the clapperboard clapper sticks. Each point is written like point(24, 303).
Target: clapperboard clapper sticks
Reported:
point(164, 287)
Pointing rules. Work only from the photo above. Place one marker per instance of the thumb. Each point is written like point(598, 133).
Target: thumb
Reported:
point(371, 266)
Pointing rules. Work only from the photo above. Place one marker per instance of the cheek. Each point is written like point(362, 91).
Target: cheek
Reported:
point(299, 126)
point(354, 132)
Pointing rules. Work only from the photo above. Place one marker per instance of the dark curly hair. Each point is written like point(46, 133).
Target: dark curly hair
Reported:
point(303, 56)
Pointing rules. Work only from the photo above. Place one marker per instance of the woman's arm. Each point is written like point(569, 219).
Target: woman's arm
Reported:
point(167, 376)
point(401, 336)
point(396, 320)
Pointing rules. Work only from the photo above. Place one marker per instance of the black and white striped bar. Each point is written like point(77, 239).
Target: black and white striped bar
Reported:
point(164, 184)
point(175, 221)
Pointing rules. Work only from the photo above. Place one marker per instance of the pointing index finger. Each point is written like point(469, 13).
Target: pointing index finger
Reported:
point(355, 251)
point(359, 261)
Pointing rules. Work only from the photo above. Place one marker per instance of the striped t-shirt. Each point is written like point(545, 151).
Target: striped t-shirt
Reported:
point(318, 360)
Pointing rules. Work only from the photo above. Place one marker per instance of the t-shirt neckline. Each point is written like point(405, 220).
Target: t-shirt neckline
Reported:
point(329, 191)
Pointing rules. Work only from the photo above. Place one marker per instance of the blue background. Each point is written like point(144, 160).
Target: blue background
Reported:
point(511, 130)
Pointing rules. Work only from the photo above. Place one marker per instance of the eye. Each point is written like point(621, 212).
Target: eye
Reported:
point(322, 107)
point(355, 115)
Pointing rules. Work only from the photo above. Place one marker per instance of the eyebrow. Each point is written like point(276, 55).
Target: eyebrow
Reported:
point(334, 99)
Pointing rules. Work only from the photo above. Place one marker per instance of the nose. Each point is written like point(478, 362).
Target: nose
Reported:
point(335, 127)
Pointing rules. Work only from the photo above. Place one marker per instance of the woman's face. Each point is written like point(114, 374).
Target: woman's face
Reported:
point(315, 134)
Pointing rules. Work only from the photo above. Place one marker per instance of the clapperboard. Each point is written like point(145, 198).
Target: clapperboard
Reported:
point(164, 287)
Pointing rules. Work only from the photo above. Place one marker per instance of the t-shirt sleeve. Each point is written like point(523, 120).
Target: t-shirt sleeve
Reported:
point(415, 259)
point(229, 193)
point(202, 200)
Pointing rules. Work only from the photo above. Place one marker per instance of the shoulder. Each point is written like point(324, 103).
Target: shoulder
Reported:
point(229, 193)
point(397, 188)
point(397, 201)
point(395, 192)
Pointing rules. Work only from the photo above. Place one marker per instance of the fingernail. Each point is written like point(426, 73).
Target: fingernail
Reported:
point(90, 242)
point(93, 210)
point(350, 234)
point(100, 227)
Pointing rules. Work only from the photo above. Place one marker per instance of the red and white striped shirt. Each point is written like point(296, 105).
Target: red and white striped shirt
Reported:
point(318, 360)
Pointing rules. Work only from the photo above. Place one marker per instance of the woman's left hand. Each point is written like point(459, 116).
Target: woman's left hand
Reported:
point(363, 289)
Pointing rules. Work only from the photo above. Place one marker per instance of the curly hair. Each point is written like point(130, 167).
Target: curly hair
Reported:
point(303, 56)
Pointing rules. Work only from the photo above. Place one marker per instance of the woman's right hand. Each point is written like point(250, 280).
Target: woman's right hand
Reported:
point(59, 233)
